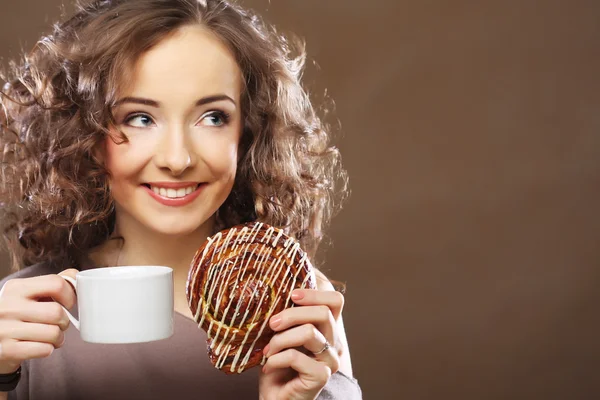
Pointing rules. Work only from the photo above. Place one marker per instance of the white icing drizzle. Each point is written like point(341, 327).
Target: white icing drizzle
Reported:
point(265, 269)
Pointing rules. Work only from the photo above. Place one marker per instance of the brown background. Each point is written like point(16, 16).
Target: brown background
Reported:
point(471, 135)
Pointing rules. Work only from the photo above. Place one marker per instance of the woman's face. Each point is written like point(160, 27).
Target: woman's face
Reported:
point(181, 114)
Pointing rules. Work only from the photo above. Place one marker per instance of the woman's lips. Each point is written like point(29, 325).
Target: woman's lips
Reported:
point(174, 201)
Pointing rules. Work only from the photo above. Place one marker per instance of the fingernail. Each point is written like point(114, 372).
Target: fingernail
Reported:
point(264, 369)
point(266, 350)
point(275, 321)
point(297, 295)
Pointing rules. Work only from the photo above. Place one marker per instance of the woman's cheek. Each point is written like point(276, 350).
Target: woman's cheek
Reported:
point(127, 158)
point(222, 159)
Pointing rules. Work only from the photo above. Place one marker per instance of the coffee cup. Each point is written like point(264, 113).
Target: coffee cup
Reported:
point(131, 304)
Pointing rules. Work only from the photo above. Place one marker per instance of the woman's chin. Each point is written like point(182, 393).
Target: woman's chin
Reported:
point(178, 228)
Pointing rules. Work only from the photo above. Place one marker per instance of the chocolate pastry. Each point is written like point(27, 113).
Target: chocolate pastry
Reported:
point(238, 279)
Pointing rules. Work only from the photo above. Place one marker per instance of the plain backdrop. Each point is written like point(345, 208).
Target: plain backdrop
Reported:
point(471, 133)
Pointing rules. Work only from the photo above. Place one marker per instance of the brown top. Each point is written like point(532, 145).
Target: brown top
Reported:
point(174, 368)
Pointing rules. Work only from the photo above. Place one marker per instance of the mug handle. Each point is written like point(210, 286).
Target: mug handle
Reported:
point(73, 320)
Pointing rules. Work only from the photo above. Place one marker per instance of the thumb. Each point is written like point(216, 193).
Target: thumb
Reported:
point(69, 273)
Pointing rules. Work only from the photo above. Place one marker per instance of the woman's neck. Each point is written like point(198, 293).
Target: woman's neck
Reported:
point(175, 252)
point(139, 245)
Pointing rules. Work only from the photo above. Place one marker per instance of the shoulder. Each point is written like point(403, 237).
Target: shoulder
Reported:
point(323, 283)
point(43, 268)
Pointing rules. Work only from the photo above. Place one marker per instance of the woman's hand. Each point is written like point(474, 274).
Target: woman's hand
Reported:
point(29, 326)
point(306, 348)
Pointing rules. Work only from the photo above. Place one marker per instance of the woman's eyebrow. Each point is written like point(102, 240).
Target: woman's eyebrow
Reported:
point(137, 100)
point(215, 98)
point(154, 103)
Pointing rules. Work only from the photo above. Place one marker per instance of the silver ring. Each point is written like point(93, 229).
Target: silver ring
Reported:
point(323, 349)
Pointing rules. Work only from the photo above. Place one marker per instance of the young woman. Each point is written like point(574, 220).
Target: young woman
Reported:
point(131, 134)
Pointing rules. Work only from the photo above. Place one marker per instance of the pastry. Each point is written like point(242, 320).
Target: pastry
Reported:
point(238, 280)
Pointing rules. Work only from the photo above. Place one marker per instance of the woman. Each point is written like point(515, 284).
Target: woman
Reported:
point(129, 105)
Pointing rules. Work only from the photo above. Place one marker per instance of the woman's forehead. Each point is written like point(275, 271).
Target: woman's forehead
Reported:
point(191, 63)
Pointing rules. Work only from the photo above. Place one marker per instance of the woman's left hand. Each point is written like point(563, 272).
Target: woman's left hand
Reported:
point(306, 348)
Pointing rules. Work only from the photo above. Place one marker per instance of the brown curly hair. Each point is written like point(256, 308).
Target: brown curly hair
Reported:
point(56, 110)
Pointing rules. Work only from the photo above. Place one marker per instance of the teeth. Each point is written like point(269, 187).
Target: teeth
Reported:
point(173, 193)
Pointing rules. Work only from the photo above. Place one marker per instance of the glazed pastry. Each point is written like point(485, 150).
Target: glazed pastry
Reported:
point(238, 279)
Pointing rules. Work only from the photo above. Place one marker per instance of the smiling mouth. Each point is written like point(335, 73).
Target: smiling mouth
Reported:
point(172, 193)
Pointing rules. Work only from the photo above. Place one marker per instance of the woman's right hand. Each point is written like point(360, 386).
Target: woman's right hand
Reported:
point(29, 326)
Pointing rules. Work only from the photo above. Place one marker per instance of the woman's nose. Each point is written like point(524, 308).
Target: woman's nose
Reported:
point(174, 152)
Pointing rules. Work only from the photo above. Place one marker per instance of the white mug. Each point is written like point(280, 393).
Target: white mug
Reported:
point(132, 304)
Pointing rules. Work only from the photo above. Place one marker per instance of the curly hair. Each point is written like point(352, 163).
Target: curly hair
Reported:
point(56, 110)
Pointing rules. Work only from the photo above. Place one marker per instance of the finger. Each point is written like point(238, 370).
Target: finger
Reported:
point(32, 332)
point(311, 297)
point(41, 286)
point(309, 337)
point(32, 311)
point(306, 335)
point(313, 373)
point(319, 316)
point(17, 351)
point(71, 272)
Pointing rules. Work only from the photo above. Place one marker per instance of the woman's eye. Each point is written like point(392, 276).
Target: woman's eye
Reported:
point(139, 121)
point(215, 118)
